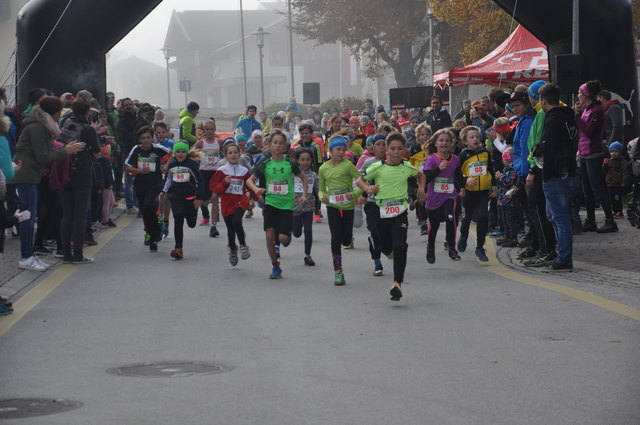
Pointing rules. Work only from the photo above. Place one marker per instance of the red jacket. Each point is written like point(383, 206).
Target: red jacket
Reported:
point(232, 196)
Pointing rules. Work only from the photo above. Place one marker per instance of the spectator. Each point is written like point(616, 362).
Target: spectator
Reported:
point(466, 107)
point(616, 174)
point(249, 123)
point(613, 117)
point(438, 118)
point(127, 139)
point(188, 123)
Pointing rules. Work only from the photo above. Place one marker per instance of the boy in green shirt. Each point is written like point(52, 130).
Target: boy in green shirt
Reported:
point(278, 196)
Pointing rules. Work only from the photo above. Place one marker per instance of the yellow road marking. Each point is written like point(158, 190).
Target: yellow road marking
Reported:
point(51, 282)
point(497, 267)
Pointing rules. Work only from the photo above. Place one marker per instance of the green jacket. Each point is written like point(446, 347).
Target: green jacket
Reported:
point(535, 134)
point(34, 148)
point(187, 127)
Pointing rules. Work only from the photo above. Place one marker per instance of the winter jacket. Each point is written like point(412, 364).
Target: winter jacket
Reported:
point(126, 132)
point(613, 122)
point(616, 171)
point(34, 148)
point(520, 143)
point(439, 120)
point(591, 130)
point(476, 163)
point(83, 173)
point(558, 152)
point(188, 127)
point(535, 134)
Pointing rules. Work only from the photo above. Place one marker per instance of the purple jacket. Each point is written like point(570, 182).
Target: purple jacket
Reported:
point(591, 129)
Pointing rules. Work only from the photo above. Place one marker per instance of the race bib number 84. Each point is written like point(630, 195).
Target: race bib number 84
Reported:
point(278, 187)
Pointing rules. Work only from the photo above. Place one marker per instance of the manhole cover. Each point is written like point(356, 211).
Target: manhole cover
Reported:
point(30, 407)
point(169, 369)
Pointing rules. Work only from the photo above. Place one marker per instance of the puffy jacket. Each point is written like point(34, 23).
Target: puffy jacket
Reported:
point(590, 129)
point(520, 143)
point(187, 127)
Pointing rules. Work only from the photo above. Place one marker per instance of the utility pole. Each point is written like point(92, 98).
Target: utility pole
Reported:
point(244, 60)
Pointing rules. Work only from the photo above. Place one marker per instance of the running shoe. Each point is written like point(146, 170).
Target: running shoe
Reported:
point(424, 229)
point(84, 260)
point(453, 254)
point(147, 239)
point(542, 260)
point(42, 263)
point(204, 222)
point(177, 254)
point(339, 278)
point(233, 256)
point(377, 271)
point(350, 246)
point(308, 261)
point(390, 255)
point(589, 226)
point(4, 310)
point(446, 246)
point(276, 273)
point(213, 232)
point(559, 267)
point(462, 244)
point(396, 292)
point(6, 302)
point(153, 246)
point(165, 229)
point(98, 225)
point(249, 214)
point(89, 239)
point(482, 254)
point(526, 254)
point(496, 233)
point(41, 250)
point(431, 255)
point(110, 223)
point(244, 252)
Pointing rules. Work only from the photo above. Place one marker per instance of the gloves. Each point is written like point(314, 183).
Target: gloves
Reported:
point(22, 216)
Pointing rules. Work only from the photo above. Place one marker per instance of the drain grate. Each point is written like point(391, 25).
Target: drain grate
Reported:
point(29, 407)
point(172, 369)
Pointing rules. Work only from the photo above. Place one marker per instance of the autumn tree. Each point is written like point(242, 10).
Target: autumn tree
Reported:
point(380, 33)
point(479, 25)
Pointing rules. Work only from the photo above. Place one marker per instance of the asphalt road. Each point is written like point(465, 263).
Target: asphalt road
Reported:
point(467, 344)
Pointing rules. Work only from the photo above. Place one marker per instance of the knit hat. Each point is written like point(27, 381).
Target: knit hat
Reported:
point(533, 89)
point(336, 142)
point(369, 140)
point(518, 96)
point(181, 146)
point(616, 146)
point(240, 137)
point(364, 118)
point(51, 105)
point(378, 137)
point(507, 155)
point(229, 140)
point(354, 119)
point(326, 115)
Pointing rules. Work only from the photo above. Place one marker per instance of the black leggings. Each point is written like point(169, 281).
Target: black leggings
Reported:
point(393, 238)
point(446, 213)
point(75, 203)
point(304, 220)
point(509, 222)
point(182, 209)
point(476, 204)
point(341, 228)
point(372, 212)
point(234, 227)
point(148, 201)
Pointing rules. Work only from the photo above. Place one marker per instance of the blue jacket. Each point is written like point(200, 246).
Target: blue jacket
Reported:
point(520, 146)
point(247, 125)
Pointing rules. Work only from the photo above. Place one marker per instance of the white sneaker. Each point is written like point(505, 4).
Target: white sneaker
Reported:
point(42, 263)
point(244, 252)
point(31, 263)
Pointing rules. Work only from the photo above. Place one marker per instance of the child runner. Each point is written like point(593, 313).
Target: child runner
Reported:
point(303, 211)
point(278, 195)
point(337, 192)
point(423, 135)
point(184, 187)
point(507, 181)
point(440, 170)
point(161, 131)
point(210, 146)
point(229, 183)
point(392, 199)
point(479, 183)
point(144, 163)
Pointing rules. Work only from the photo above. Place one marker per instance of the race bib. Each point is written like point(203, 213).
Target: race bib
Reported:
point(144, 162)
point(211, 157)
point(477, 169)
point(443, 185)
point(392, 208)
point(339, 197)
point(298, 187)
point(278, 187)
point(181, 175)
point(235, 187)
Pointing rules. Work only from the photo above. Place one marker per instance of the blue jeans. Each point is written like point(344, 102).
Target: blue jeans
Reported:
point(28, 200)
point(130, 192)
point(558, 197)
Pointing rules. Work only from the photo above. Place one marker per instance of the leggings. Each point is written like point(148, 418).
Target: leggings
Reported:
point(304, 220)
point(182, 209)
point(148, 201)
point(446, 213)
point(75, 203)
point(341, 227)
point(393, 238)
point(509, 221)
point(234, 227)
point(476, 204)
point(372, 212)
point(107, 204)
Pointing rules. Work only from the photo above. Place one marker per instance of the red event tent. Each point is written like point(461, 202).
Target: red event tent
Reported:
point(521, 58)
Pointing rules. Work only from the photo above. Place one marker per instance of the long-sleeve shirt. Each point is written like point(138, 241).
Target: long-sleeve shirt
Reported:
point(233, 194)
point(184, 179)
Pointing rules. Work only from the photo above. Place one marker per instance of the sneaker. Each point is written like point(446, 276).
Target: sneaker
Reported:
point(6, 302)
point(431, 255)
point(84, 260)
point(308, 261)
point(424, 229)
point(213, 232)
point(496, 233)
point(177, 254)
point(98, 225)
point(377, 271)
point(41, 250)
point(526, 254)
point(233, 256)
point(244, 252)
point(89, 240)
point(147, 238)
point(482, 254)
point(58, 254)
point(249, 214)
point(42, 263)
point(509, 243)
point(390, 255)
point(559, 267)
point(204, 222)
point(317, 218)
point(462, 244)
point(110, 223)
point(446, 246)
point(164, 229)
point(608, 227)
point(350, 246)
point(153, 246)
point(4, 310)
point(31, 263)
point(339, 278)
point(276, 273)
point(396, 292)
point(589, 226)
point(541, 260)
point(453, 254)
point(619, 214)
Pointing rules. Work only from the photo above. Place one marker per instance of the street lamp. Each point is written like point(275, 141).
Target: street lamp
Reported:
point(431, 60)
point(244, 61)
point(293, 91)
point(260, 33)
point(167, 55)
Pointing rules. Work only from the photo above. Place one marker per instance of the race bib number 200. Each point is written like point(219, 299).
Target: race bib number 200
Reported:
point(391, 208)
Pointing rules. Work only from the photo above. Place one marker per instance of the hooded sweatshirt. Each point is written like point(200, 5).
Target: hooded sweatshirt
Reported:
point(559, 152)
point(187, 127)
